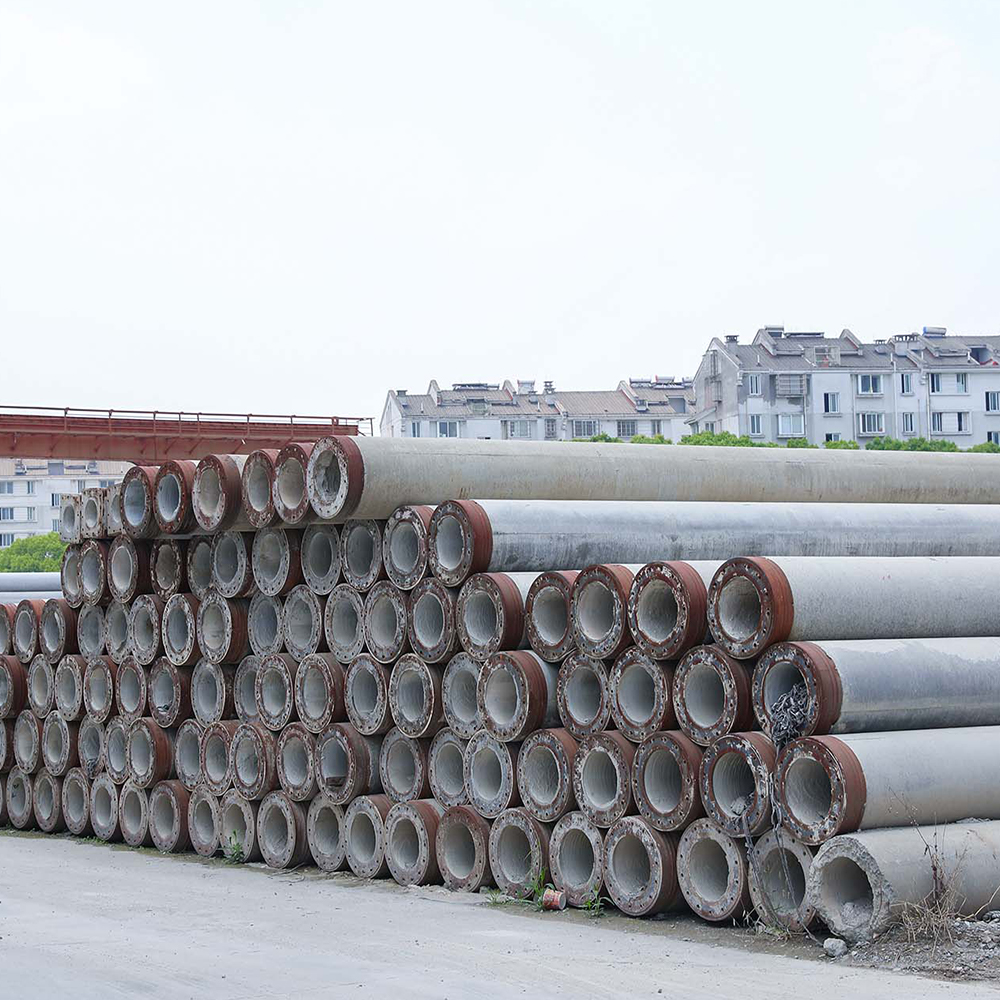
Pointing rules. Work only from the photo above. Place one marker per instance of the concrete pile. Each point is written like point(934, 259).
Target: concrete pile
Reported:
point(317, 653)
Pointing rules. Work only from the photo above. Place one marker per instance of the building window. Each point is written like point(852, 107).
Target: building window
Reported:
point(584, 428)
point(7, 488)
point(626, 428)
point(710, 427)
point(993, 402)
point(518, 429)
point(753, 385)
point(935, 382)
point(790, 425)
point(964, 423)
point(105, 483)
point(415, 429)
point(831, 402)
point(657, 426)
point(31, 487)
point(833, 437)
point(907, 423)
point(756, 425)
point(906, 383)
point(962, 382)
point(993, 437)
point(31, 513)
point(871, 423)
point(447, 428)
point(55, 524)
point(550, 428)
point(870, 385)
point(56, 499)
point(81, 485)
point(6, 513)
point(937, 423)
point(6, 540)
point(56, 469)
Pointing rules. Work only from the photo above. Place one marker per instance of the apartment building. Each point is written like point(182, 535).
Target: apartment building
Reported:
point(30, 489)
point(517, 411)
point(803, 384)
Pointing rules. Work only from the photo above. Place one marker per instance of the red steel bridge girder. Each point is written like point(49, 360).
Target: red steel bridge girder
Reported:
point(146, 436)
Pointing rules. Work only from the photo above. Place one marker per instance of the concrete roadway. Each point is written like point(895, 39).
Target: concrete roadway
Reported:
point(82, 919)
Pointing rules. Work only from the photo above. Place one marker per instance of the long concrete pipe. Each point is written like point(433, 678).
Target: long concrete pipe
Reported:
point(778, 877)
point(754, 602)
point(458, 691)
point(489, 613)
point(576, 857)
point(860, 883)
point(641, 701)
point(326, 835)
point(667, 606)
point(837, 784)
point(875, 685)
point(665, 772)
point(516, 694)
point(519, 851)
point(711, 695)
point(583, 695)
point(13, 582)
point(403, 767)
point(462, 846)
point(640, 868)
point(446, 768)
point(217, 493)
point(713, 872)
point(371, 476)
point(479, 536)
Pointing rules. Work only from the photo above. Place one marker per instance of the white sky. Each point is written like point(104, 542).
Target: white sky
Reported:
point(291, 207)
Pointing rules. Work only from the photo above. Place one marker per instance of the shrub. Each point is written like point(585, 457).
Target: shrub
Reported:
point(37, 554)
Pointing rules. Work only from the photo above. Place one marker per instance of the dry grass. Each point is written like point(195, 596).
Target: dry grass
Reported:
point(933, 918)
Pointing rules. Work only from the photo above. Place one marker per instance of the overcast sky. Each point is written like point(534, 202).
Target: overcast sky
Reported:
point(291, 207)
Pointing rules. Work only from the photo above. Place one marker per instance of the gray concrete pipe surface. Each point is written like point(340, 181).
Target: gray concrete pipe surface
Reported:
point(372, 476)
point(24, 582)
point(756, 601)
point(478, 536)
point(836, 784)
point(859, 883)
point(875, 685)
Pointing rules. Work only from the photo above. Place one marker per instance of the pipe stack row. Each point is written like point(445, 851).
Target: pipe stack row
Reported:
point(319, 652)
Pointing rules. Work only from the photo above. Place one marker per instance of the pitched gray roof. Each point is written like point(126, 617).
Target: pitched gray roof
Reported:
point(608, 404)
point(873, 356)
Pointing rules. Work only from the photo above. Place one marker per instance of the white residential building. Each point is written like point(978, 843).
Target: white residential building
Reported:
point(30, 489)
point(794, 385)
point(519, 412)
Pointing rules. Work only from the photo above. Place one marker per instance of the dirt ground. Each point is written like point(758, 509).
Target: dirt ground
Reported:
point(971, 954)
point(95, 920)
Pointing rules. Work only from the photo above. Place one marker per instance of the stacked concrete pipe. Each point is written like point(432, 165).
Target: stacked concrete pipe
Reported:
point(365, 477)
point(295, 654)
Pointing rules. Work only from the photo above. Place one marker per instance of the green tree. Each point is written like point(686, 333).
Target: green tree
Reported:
point(841, 445)
point(987, 447)
point(885, 444)
point(37, 554)
point(799, 443)
point(922, 444)
point(722, 439)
